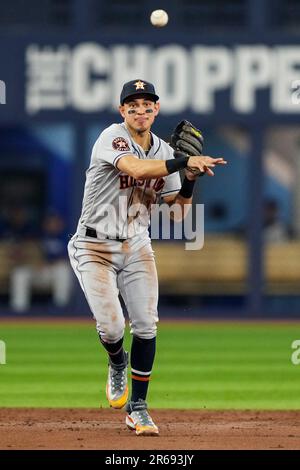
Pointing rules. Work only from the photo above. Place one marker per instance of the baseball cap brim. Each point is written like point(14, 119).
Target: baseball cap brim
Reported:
point(151, 96)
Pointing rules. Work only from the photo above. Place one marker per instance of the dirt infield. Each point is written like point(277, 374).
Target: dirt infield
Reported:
point(179, 429)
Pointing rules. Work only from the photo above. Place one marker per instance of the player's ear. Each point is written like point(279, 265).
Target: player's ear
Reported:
point(156, 108)
point(122, 111)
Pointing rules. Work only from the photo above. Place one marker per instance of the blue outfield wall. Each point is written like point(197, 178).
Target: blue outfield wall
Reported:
point(217, 79)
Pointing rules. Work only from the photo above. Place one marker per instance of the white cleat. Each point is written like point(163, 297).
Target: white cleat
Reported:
point(139, 420)
point(116, 386)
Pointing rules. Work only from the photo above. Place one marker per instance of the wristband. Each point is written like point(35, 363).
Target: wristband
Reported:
point(187, 188)
point(175, 164)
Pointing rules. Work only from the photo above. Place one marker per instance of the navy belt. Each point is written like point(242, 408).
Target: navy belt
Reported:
point(91, 232)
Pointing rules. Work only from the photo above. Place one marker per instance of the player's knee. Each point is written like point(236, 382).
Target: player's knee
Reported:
point(144, 330)
point(112, 332)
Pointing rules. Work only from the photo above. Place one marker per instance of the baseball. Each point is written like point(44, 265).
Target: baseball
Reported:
point(159, 18)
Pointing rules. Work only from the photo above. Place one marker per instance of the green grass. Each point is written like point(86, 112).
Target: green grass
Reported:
point(212, 366)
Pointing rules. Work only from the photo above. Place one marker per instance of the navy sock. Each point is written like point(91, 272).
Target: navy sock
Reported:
point(115, 351)
point(142, 358)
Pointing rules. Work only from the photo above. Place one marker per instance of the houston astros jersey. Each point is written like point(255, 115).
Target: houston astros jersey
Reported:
point(115, 205)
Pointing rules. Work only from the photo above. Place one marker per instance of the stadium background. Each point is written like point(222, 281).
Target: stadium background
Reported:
point(231, 67)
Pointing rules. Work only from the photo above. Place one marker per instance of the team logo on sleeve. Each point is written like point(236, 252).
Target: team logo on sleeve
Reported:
point(120, 144)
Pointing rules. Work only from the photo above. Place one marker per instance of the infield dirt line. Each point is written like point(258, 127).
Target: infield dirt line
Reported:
point(179, 429)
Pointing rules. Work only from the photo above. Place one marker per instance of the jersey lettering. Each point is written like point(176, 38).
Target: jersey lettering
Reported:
point(159, 184)
point(127, 181)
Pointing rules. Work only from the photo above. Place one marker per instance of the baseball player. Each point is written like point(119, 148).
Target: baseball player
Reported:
point(111, 252)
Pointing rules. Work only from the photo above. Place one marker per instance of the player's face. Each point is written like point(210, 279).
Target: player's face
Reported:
point(139, 113)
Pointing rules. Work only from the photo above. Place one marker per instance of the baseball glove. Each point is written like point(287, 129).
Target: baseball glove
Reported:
point(187, 140)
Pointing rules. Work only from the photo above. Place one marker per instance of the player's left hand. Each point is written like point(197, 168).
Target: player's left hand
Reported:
point(193, 175)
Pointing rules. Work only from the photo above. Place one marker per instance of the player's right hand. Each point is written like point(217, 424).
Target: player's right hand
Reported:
point(203, 164)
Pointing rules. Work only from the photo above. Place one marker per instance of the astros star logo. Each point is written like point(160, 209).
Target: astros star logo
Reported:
point(139, 85)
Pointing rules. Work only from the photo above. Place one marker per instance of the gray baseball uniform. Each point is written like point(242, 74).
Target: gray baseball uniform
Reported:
point(111, 251)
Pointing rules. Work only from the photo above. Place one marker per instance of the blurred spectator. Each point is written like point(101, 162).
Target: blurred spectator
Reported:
point(275, 230)
point(49, 271)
